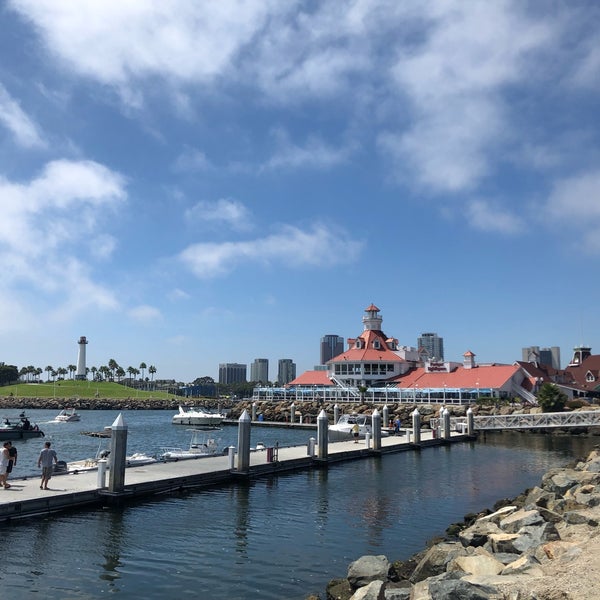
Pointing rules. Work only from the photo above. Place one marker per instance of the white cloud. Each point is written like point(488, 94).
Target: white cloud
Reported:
point(222, 212)
point(40, 241)
point(145, 313)
point(488, 217)
point(24, 130)
point(315, 154)
point(177, 294)
point(191, 160)
point(292, 247)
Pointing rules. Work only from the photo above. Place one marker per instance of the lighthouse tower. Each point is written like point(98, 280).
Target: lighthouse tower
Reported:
point(81, 372)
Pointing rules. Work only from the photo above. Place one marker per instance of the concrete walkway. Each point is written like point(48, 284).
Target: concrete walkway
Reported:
point(25, 498)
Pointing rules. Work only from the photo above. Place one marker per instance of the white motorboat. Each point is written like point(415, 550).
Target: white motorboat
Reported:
point(91, 464)
point(67, 415)
point(198, 417)
point(344, 428)
point(201, 446)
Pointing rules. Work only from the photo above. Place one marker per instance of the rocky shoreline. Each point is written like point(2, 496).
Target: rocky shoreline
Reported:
point(542, 545)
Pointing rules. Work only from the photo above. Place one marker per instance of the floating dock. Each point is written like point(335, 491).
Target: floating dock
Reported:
point(25, 499)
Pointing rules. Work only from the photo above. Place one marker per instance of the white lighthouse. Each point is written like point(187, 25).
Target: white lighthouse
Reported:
point(81, 371)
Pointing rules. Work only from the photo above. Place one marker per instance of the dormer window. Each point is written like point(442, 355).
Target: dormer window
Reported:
point(358, 345)
point(376, 344)
point(589, 377)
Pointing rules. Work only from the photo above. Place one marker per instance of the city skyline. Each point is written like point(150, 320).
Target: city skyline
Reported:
point(228, 181)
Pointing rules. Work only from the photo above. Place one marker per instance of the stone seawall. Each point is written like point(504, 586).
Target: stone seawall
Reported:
point(543, 545)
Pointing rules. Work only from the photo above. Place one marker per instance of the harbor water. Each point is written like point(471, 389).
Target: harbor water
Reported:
point(281, 537)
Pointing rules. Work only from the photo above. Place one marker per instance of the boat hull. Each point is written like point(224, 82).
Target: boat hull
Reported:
point(19, 434)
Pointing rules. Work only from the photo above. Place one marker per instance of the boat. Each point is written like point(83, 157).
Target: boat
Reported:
point(21, 429)
point(343, 429)
point(67, 415)
point(201, 446)
point(197, 417)
point(91, 464)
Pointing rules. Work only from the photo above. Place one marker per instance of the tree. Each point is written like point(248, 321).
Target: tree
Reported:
point(72, 369)
point(152, 370)
point(120, 373)
point(551, 398)
point(8, 374)
point(143, 367)
point(113, 365)
point(61, 371)
point(49, 370)
point(94, 371)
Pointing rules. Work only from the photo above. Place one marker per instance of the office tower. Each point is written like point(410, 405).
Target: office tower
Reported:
point(331, 346)
point(286, 371)
point(543, 356)
point(433, 344)
point(259, 370)
point(232, 373)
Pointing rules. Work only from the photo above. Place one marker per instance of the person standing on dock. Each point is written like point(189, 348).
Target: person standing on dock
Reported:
point(355, 432)
point(4, 458)
point(12, 460)
point(47, 457)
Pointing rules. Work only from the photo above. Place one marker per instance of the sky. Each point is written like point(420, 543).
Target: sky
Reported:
point(192, 183)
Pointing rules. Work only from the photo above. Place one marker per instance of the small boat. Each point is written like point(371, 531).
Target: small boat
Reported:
point(20, 429)
point(343, 429)
point(67, 415)
point(91, 464)
point(197, 417)
point(201, 446)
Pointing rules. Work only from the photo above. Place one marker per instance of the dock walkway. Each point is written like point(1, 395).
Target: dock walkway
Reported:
point(25, 499)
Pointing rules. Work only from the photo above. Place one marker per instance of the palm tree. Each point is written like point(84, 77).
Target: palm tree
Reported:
point(61, 371)
point(24, 371)
point(113, 365)
point(94, 371)
point(49, 370)
point(152, 370)
point(72, 369)
point(143, 367)
point(120, 373)
point(38, 371)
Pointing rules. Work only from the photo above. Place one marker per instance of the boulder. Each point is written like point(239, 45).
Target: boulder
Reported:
point(497, 516)
point(436, 559)
point(367, 569)
point(524, 565)
point(520, 518)
point(371, 591)
point(482, 563)
point(478, 534)
point(580, 517)
point(398, 591)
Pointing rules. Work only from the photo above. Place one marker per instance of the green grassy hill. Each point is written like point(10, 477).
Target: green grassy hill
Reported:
point(79, 389)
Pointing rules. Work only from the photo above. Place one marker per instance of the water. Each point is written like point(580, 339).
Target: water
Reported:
point(273, 538)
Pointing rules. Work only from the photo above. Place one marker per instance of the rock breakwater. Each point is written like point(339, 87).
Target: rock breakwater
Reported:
point(542, 545)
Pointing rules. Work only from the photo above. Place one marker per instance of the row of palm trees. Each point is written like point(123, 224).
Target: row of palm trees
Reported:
point(112, 371)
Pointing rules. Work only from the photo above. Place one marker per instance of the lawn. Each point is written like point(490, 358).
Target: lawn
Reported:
point(79, 389)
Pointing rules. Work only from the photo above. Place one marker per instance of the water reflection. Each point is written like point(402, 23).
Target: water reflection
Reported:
point(241, 501)
point(112, 524)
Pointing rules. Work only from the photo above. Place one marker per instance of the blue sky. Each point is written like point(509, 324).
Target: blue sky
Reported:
point(190, 183)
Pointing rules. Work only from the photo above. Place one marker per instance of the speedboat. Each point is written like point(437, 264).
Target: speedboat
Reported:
point(201, 446)
point(343, 429)
point(19, 430)
point(67, 415)
point(91, 464)
point(198, 417)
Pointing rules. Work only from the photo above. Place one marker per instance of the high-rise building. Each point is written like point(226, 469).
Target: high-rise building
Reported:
point(544, 356)
point(259, 370)
point(433, 344)
point(286, 371)
point(331, 346)
point(232, 373)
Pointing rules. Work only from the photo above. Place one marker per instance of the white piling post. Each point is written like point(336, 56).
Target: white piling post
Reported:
point(254, 411)
point(386, 416)
point(368, 441)
point(293, 413)
point(231, 456)
point(118, 451)
point(446, 422)
point(322, 435)
point(376, 427)
point(336, 414)
point(102, 464)
point(416, 423)
point(243, 463)
point(310, 451)
point(470, 421)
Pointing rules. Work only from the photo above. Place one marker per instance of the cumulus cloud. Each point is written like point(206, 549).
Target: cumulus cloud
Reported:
point(222, 212)
point(145, 313)
point(486, 216)
point(292, 247)
point(23, 128)
point(41, 242)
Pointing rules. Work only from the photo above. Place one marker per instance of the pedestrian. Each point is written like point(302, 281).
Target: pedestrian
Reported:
point(47, 457)
point(355, 431)
point(4, 458)
point(397, 426)
point(12, 461)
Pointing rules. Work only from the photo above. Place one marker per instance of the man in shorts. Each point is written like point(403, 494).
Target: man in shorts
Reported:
point(4, 458)
point(12, 460)
point(46, 460)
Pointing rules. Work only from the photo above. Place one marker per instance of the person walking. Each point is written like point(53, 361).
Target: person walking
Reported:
point(4, 458)
point(46, 460)
point(12, 460)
